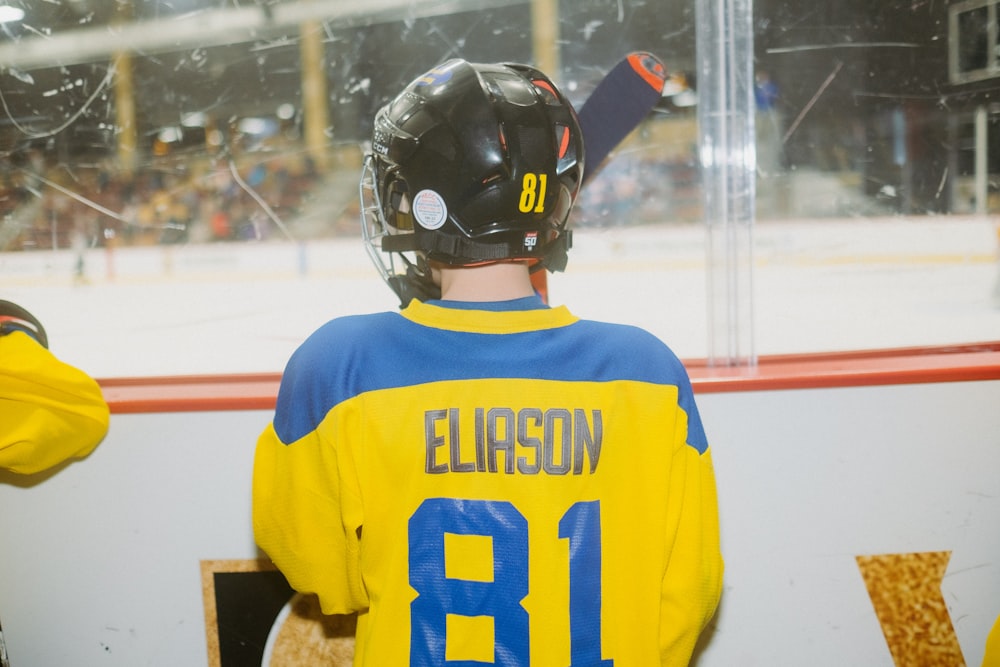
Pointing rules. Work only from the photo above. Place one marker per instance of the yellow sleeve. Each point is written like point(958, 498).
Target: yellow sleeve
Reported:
point(991, 657)
point(50, 410)
point(301, 522)
point(692, 583)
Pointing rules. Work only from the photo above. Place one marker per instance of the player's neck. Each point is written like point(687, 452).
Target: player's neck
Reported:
point(502, 281)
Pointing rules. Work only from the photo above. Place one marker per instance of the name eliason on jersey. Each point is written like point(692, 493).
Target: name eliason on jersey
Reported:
point(528, 441)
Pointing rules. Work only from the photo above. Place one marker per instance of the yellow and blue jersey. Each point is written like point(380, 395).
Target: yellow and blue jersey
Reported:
point(493, 484)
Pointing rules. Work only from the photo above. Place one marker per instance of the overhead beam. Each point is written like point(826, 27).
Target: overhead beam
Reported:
point(215, 27)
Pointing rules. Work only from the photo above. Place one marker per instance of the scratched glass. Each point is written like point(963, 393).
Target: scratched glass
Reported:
point(181, 177)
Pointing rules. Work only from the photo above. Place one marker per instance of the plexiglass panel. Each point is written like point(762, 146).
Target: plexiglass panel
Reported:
point(182, 176)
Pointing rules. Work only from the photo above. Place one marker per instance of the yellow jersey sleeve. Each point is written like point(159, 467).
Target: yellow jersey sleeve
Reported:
point(50, 411)
point(306, 517)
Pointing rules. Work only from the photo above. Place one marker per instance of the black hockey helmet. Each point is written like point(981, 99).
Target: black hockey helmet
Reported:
point(15, 318)
point(470, 164)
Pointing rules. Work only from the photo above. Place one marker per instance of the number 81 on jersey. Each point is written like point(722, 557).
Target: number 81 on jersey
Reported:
point(439, 596)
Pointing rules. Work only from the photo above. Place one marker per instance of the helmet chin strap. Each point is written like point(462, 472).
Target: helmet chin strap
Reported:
point(413, 285)
point(558, 253)
point(554, 259)
point(417, 283)
point(449, 245)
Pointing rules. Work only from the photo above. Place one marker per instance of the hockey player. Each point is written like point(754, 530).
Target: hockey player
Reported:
point(50, 411)
point(486, 479)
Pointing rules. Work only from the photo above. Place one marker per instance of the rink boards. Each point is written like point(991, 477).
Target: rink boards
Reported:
point(860, 508)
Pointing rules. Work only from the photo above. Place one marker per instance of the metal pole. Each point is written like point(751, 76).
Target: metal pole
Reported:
point(981, 151)
point(545, 36)
point(314, 93)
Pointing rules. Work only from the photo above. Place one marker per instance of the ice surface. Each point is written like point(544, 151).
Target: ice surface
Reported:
point(244, 307)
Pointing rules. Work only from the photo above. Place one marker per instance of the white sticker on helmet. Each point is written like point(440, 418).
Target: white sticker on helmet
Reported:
point(429, 209)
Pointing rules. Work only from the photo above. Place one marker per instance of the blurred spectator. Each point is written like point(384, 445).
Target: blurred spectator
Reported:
point(768, 124)
point(174, 199)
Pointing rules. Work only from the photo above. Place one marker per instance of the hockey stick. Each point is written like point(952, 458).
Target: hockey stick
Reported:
point(621, 101)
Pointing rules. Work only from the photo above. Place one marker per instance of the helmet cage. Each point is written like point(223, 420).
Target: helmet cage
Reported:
point(410, 277)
